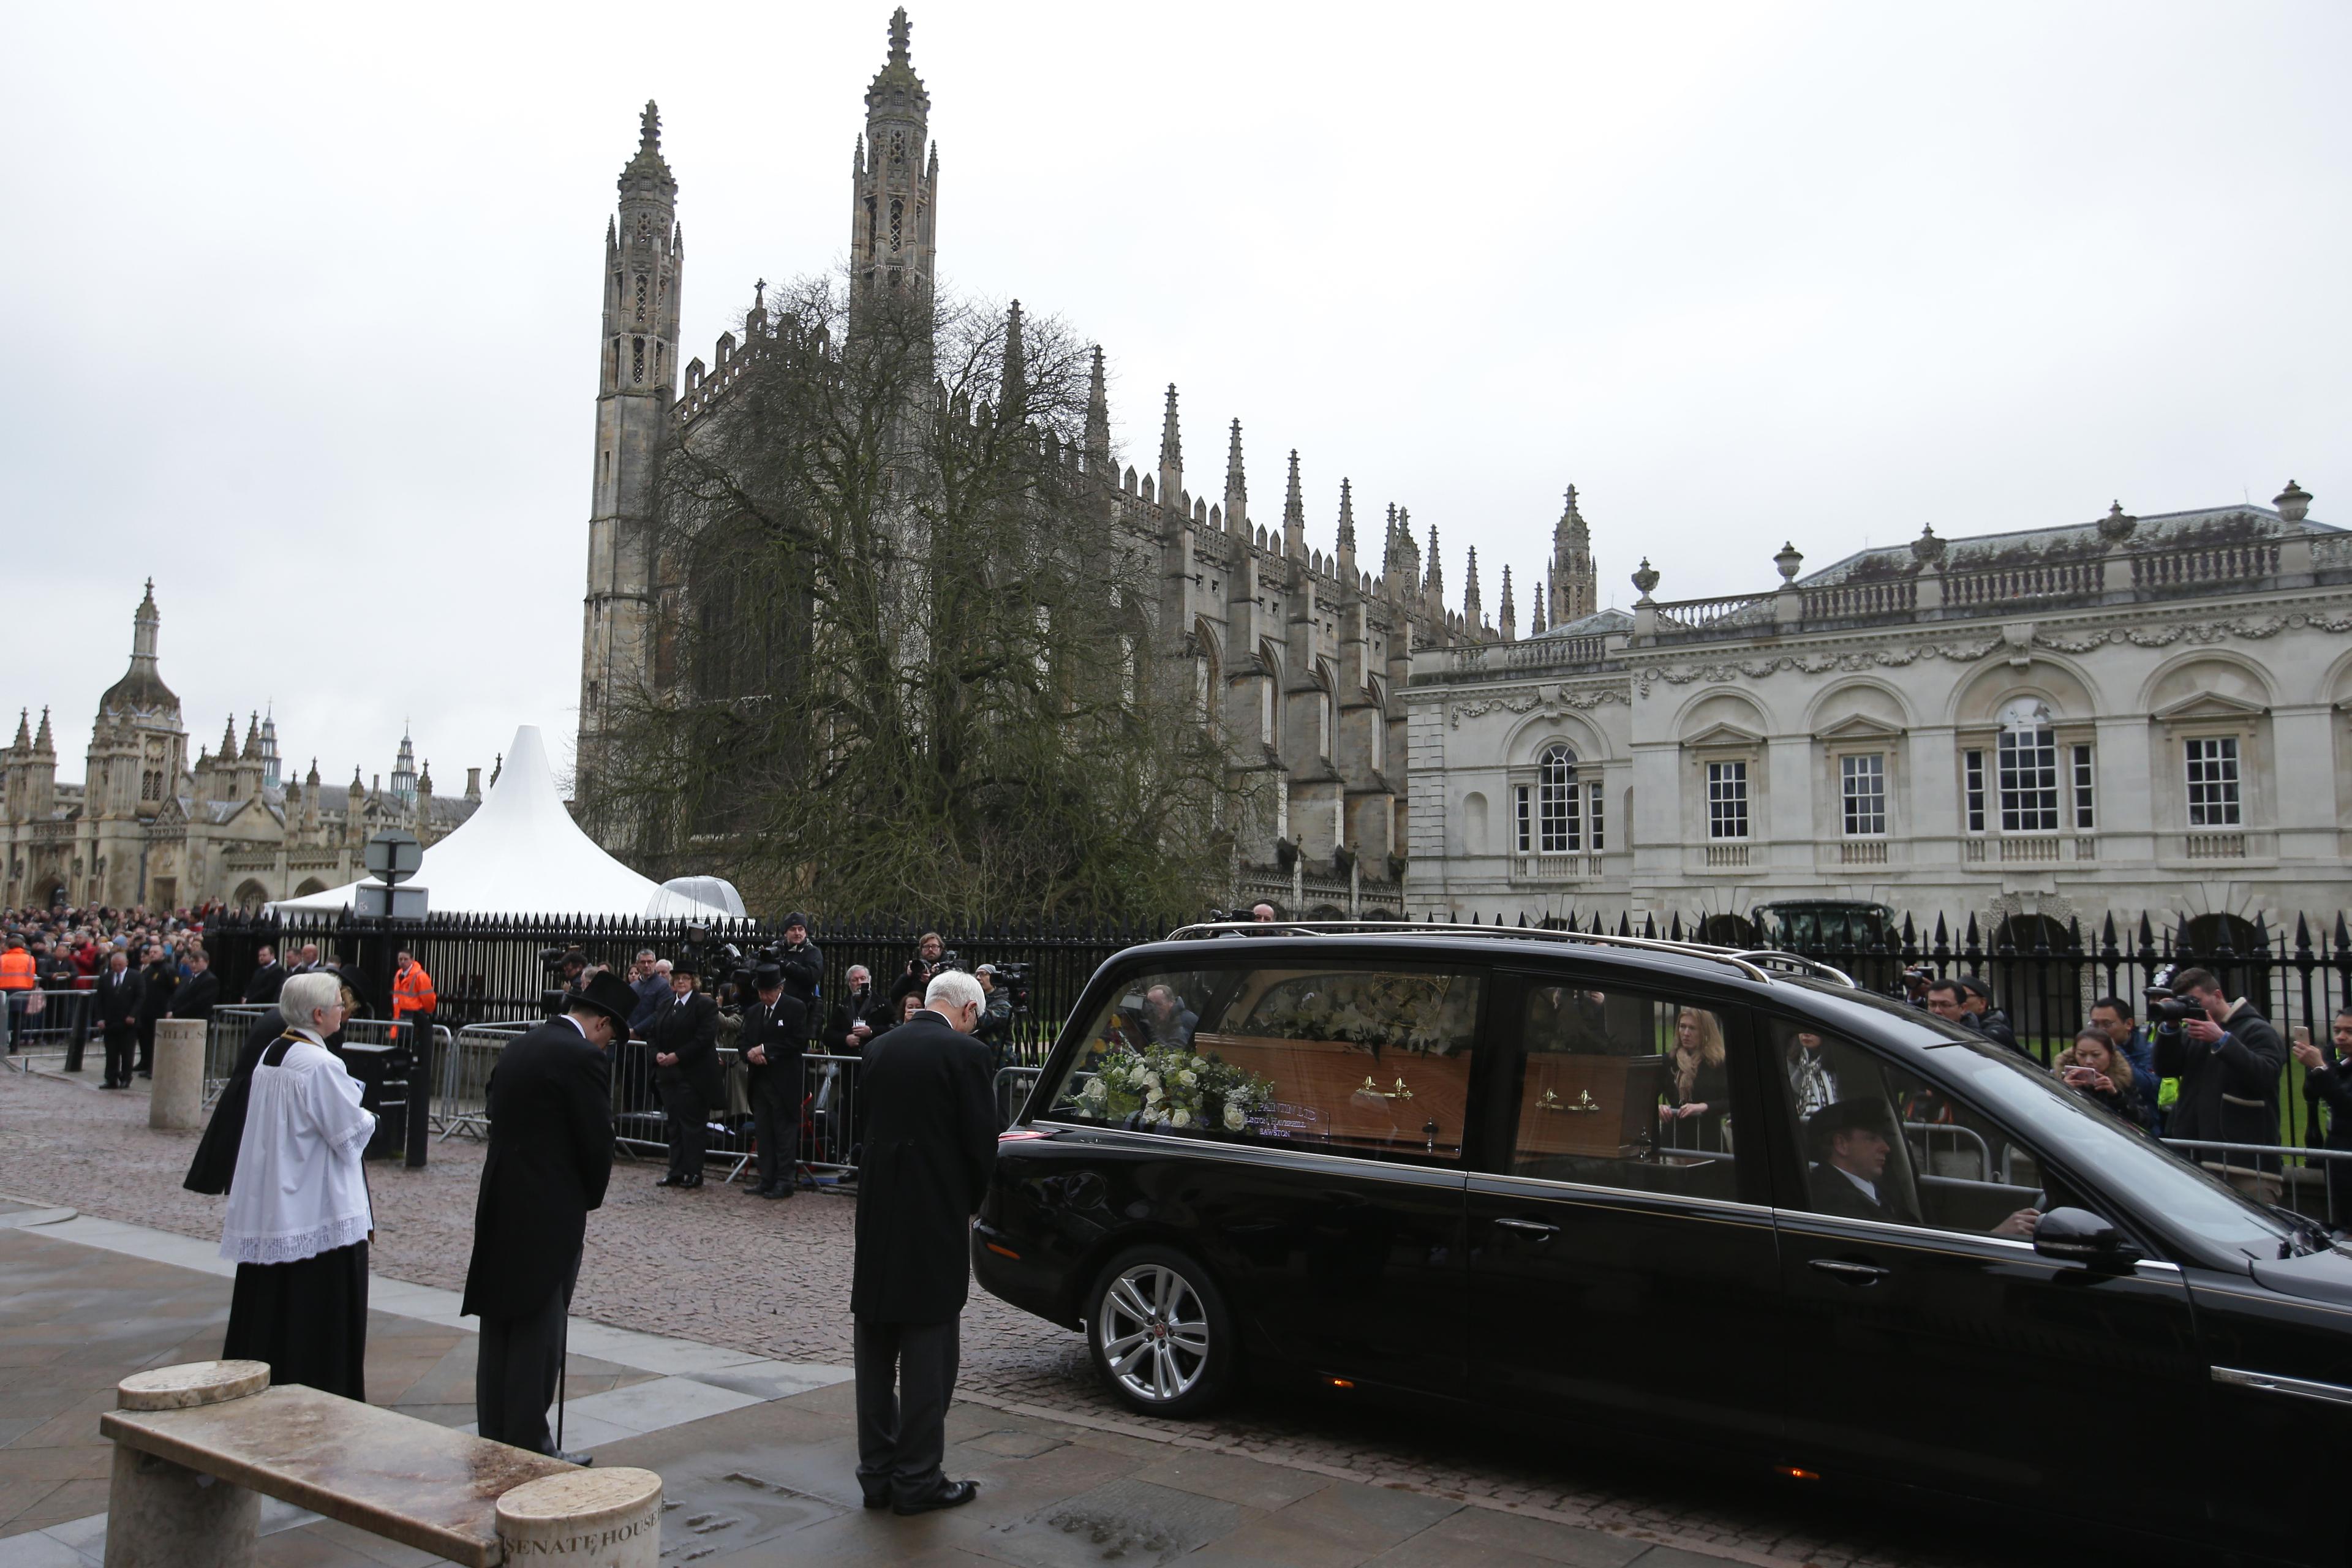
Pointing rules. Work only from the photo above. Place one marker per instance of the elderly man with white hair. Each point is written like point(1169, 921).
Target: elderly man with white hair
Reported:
point(930, 1147)
point(299, 1220)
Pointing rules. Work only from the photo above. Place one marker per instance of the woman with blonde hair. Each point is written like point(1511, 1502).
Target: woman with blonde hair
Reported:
point(1698, 1089)
point(299, 1219)
point(2094, 1068)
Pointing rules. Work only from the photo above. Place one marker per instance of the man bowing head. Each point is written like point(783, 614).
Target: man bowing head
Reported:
point(930, 1146)
point(550, 1153)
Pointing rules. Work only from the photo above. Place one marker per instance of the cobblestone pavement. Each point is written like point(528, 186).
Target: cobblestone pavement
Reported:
point(771, 1278)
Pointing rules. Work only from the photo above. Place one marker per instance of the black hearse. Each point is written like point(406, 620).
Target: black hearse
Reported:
point(1668, 1190)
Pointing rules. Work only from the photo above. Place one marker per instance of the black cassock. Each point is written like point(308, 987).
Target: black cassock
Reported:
point(550, 1156)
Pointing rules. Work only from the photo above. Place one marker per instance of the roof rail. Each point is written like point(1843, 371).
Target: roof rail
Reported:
point(1799, 961)
point(1748, 962)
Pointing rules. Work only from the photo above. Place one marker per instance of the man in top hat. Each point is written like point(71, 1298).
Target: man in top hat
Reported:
point(775, 1034)
point(550, 1155)
point(684, 1038)
point(1852, 1141)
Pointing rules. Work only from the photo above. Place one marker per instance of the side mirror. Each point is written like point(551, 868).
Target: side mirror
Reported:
point(2078, 1235)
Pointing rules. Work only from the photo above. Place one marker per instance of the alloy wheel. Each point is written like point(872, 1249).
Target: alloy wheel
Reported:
point(1154, 1332)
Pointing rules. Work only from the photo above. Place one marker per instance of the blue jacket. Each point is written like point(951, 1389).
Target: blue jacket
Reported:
point(653, 995)
point(2142, 1057)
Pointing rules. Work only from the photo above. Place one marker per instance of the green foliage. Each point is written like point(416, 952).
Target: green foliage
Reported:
point(906, 657)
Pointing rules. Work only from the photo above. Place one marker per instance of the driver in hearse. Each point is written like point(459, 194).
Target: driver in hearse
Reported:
point(1851, 1143)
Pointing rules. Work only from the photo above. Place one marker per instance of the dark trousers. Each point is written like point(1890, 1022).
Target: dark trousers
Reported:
point(147, 1045)
point(906, 1375)
point(684, 1110)
point(122, 1046)
point(518, 1365)
point(776, 1122)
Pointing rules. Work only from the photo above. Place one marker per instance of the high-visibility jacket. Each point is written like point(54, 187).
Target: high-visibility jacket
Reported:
point(412, 992)
point(16, 971)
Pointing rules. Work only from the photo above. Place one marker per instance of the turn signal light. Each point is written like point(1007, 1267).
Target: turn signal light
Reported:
point(1797, 1475)
point(1343, 1382)
point(1001, 1251)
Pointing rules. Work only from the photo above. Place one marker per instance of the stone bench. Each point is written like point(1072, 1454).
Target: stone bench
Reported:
point(197, 1447)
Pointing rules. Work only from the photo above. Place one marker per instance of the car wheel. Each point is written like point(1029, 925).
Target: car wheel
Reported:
point(1158, 1330)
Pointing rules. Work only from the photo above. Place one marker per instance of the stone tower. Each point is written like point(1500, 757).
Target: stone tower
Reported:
point(645, 257)
point(137, 749)
point(894, 181)
point(1575, 583)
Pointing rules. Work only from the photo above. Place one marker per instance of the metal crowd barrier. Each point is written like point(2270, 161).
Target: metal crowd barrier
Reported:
point(1014, 1086)
point(2277, 1166)
point(48, 1022)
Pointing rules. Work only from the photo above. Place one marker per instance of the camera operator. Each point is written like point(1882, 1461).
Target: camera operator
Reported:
point(1916, 981)
point(802, 965)
point(857, 1017)
point(775, 1034)
point(995, 1029)
point(1975, 1000)
point(2228, 1059)
point(930, 957)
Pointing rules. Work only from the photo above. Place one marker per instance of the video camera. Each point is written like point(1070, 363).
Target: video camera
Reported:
point(2169, 1008)
point(564, 966)
point(1012, 979)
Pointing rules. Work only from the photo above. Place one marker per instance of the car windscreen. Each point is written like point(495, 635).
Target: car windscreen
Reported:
point(2069, 1128)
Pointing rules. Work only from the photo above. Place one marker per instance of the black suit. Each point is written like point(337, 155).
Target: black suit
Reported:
point(266, 982)
point(777, 1089)
point(695, 1085)
point(551, 1155)
point(118, 997)
point(1835, 1193)
point(157, 981)
point(930, 1147)
point(804, 968)
point(196, 997)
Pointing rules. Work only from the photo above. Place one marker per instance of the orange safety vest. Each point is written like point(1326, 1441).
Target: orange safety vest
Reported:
point(412, 992)
point(16, 971)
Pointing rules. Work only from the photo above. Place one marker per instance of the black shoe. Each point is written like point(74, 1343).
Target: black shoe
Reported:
point(671, 1182)
point(144, 1073)
point(878, 1499)
point(954, 1494)
point(691, 1182)
point(776, 1192)
point(568, 1457)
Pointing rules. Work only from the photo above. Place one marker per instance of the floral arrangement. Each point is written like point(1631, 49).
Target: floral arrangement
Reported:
point(1163, 1086)
point(1426, 1014)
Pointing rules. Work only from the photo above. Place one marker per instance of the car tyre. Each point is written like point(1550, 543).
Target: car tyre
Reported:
point(1160, 1333)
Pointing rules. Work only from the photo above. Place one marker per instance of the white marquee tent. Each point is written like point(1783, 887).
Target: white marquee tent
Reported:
point(521, 854)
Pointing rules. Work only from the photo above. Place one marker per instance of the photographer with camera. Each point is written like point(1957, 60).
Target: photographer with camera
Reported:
point(802, 963)
point(2228, 1059)
point(931, 957)
point(774, 1036)
point(860, 1014)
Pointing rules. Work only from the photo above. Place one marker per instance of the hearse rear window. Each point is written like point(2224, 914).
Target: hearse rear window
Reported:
point(1348, 1058)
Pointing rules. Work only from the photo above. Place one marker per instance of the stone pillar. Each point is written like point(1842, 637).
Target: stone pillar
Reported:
point(162, 1515)
point(177, 1098)
point(584, 1519)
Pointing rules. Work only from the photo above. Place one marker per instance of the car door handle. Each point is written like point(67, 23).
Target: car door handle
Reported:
point(1528, 1228)
point(1851, 1273)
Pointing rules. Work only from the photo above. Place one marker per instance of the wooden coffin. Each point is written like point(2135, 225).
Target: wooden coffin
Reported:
point(1592, 1105)
point(1330, 1090)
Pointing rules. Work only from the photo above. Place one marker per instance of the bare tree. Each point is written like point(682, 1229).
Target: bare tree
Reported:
point(904, 655)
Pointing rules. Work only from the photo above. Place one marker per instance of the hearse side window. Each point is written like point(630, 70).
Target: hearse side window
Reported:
point(1881, 1143)
point(1345, 1058)
point(1624, 1089)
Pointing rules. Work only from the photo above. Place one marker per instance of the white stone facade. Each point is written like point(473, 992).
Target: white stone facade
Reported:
point(2130, 715)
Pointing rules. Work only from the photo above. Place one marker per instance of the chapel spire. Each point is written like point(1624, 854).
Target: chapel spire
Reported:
point(1237, 486)
point(1472, 608)
point(895, 190)
point(1097, 420)
point(1575, 581)
point(1294, 514)
point(1013, 389)
point(1171, 455)
point(1508, 619)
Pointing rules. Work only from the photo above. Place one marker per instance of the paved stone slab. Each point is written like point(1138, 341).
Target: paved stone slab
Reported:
point(1126, 1521)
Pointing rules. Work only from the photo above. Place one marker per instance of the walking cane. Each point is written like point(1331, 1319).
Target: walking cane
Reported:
point(562, 1359)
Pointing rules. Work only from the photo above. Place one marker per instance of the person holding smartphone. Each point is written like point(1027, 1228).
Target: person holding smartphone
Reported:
point(2094, 1068)
point(2327, 1079)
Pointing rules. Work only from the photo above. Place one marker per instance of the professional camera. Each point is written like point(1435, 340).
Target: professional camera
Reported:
point(1012, 979)
point(564, 966)
point(2169, 1009)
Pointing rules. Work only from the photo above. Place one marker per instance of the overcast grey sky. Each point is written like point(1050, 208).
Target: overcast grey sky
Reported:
point(303, 299)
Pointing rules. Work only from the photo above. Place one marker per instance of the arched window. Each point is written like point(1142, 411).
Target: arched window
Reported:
point(2027, 773)
point(1548, 816)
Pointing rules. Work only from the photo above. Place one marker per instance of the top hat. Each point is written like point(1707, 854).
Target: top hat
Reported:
point(608, 993)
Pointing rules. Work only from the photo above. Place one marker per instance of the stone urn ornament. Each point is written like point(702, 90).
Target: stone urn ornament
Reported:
point(1926, 550)
point(1788, 561)
point(1646, 578)
point(2117, 525)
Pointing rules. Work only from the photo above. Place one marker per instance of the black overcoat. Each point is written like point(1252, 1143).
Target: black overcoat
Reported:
point(196, 996)
point(118, 1005)
point(266, 982)
point(689, 1031)
point(551, 1155)
point(930, 1145)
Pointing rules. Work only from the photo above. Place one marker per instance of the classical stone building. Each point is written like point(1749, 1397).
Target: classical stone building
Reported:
point(147, 826)
point(2131, 714)
point(1300, 652)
